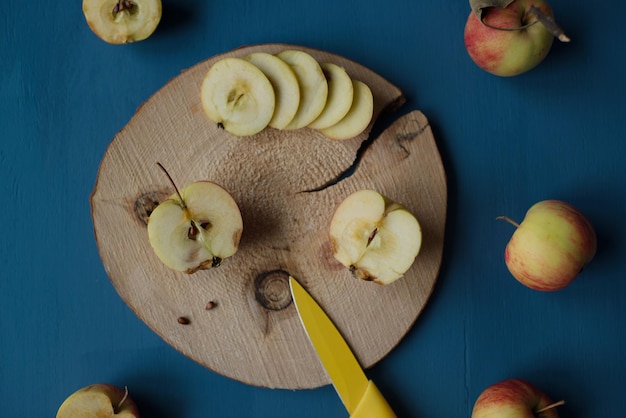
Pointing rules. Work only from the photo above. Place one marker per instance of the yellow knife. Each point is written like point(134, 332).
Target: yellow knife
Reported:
point(359, 395)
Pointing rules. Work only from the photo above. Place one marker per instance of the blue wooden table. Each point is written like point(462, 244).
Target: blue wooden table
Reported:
point(555, 132)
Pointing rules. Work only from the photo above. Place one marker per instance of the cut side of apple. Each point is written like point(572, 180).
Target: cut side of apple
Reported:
point(196, 229)
point(99, 400)
point(122, 21)
point(339, 100)
point(285, 84)
point(358, 117)
point(313, 87)
point(377, 239)
point(238, 96)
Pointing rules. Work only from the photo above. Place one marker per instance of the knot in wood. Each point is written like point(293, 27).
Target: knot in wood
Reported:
point(271, 290)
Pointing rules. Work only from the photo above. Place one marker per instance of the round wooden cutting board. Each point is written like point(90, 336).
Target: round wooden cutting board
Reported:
point(238, 319)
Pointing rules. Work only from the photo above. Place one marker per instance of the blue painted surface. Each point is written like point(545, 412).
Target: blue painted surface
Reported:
point(555, 132)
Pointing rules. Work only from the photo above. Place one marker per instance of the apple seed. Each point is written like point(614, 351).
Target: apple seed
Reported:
point(184, 320)
point(122, 5)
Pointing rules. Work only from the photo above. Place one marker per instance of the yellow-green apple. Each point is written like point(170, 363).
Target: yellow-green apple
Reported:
point(514, 398)
point(376, 238)
point(550, 246)
point(195, 228)
point(285, 84)
point(340, 93)
point(101, 400)
point(512, 39)
point(238, 96)
point(358, 117)
point(313, 86)
point(122, 21)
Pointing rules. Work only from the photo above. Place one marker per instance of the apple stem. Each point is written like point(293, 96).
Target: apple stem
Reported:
point(119, 405)
point(509, 220)
point(552, 405)
point(182, 202)
point(550, 24)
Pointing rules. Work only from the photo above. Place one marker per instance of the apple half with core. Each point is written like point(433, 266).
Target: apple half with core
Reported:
point(510, 37)
point(122, 21)
point(101, 400)
point(195, 228)
point(550, 246)
point(514, 398)
point(376, 238)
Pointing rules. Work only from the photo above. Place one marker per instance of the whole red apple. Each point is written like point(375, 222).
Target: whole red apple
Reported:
point(99, 400)
point(514, 398)
point(550, 246)
point(511, 40)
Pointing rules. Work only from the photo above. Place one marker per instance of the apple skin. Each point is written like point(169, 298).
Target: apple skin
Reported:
point(513, 398)
point(98, 400)
point(551, 246)
point(508, 52)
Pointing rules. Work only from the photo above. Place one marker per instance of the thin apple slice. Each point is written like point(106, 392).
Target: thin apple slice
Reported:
point(340, 94)
point(285, 84)
point(196, 229)
point(313, 87)
point(99, 400)
point(358, 117)
point(376, 238)
point(122, 21)
point(238, 96)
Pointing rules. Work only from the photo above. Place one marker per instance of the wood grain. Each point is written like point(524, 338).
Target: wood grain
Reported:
point(256, 341)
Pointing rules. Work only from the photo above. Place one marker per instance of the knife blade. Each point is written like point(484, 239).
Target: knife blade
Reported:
point(359, 395)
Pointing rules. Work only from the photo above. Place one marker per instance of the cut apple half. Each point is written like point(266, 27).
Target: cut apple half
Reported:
point(313, 87)
point(238, 96)
point(340, 93)
point(376, 238)
point(122, 21)
point(358, 117)
point(195, 228)
point(285, 84)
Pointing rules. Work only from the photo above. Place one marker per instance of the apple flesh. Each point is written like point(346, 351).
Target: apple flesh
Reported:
point(550, 246)
point(514, 398)
point(376, 238)
point(313, 87)
point(122, 21)
point(100, 400)
point(511, 40)
point(358, 117)
point(238, 96)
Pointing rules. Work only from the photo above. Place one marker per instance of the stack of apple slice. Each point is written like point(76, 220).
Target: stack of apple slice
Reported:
point(289, 90)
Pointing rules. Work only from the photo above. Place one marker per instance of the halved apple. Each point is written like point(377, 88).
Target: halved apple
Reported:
point(376, 238)
point(285, 84)
point(99, 400)
point(122, 21)
point(195, 228)
point(238, 96)
point(339, 100)
point(313, 87)
point(358, 117)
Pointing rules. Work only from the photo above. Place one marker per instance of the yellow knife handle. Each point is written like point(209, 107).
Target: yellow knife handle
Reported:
point(372, 404)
